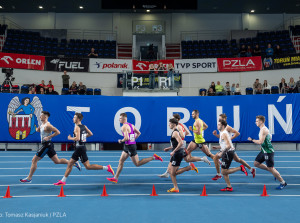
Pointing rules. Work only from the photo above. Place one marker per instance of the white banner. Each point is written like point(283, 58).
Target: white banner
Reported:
point(196, 65)
point(110, 65)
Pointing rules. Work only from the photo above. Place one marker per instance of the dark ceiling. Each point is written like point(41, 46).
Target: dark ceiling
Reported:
point(160, 6)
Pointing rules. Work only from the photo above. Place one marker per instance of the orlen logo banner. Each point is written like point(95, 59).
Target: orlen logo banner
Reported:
point(22, 61)
point(239, 64)
point(110, 65)
point(140, 66)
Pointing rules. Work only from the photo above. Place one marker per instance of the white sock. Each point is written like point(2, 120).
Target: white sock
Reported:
point(219, 174)
point(105, 168)
point(251, 169)
point(153, 157)
point(64, 179)
point(283, 182)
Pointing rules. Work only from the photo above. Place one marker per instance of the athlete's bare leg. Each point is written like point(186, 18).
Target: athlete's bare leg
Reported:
point(89, 166)
point(241, 161)
point(33, 167)
point(137, 162)
point(270, 169)
point(56, 160)
point(226, 173)
point(123, 157)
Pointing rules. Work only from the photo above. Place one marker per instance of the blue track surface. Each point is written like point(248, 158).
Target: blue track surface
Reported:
point(129, 200)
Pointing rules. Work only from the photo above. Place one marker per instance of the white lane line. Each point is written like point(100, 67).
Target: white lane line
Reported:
point(127, 161)
point(176, 195)
point(125, 184)
point(129, 167)
point(144, 175)
point(200, 155)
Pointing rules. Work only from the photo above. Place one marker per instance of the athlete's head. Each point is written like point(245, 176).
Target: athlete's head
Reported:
point(223, 117)
point(44, 115)
point(173, 123)
point(77, 117)
point(260, 120)
point(177, 116)
point(195, 114)
point(123, 118)
point(222, 125)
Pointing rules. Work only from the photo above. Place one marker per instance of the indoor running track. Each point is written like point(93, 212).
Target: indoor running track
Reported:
point(129, 200)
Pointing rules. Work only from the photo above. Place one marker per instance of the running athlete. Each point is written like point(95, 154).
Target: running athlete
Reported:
point(177, 155)
point(267, 151)
point(81, 132)
point(198, 128)
point(184, 132)
point(45, 130)
point(130, 134)
point(227, 149)
point(233, 133)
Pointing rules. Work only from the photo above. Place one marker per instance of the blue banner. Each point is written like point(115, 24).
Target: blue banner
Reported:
point(19, 115)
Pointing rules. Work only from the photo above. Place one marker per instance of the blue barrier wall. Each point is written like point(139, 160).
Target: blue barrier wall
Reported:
point(149, 114)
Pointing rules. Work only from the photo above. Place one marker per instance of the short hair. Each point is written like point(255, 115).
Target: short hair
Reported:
point(177, 116)
point(223, 122)
point(224, 116)
point(227, 82)
point(196, 111)
point(79, 116)
point(174, 121)
point(46, 113)
point(261, 118)
point(124, 115)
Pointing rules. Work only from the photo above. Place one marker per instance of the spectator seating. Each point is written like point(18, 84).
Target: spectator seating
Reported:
point(28, 42)
point(275, 90)
point(6, 88)
point(266, 91)
point(65, 91)
point(249, 90)
point(89, 91)
point(295, 30)
point(24, 89)
point(224, 48)
point(15, 89)
point(202, 89)
point(97, 91)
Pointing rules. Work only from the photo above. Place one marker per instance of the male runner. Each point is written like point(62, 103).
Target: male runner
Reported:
point(227, 149)
point(188, 158)
point(199, 141)
point(81, 132)
point(45, 130)
point(267, 151)
point(130, 134)
point(176, 156)
point(233, 133)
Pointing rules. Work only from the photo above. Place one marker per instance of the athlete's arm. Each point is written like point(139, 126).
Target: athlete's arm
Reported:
point(37, 129)
point(179, 127)
point(89, 132)
point(198, 126)
point(235, 133)
point(205, 126)
point(216, 134)
point(226, 138)
point(179, 140)
point(77, 134)
point(51, 128)
point(124, 129)
point(261, 139)
point(186, 130)
point(137, 132)
point(216, 147)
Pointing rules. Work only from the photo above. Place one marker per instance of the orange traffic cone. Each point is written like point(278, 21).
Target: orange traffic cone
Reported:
point(153, 191)
point(7, 195)
point(264, 194)
point(61, 193)
point(204, 191)
point(104, 194)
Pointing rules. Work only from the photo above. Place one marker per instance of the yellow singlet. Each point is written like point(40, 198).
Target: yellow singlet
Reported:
point(198, 138)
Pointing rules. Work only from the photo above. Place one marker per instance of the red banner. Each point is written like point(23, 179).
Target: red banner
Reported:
point(22, 61)
point(239, 64)
point(143, 66)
